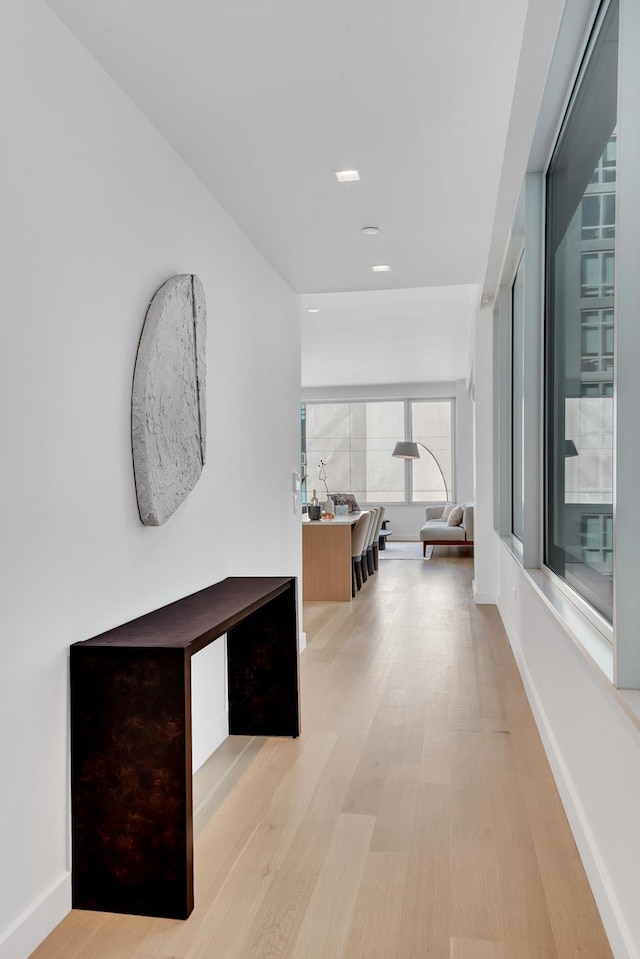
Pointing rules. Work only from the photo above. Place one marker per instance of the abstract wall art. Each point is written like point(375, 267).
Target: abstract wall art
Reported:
point(168, 409)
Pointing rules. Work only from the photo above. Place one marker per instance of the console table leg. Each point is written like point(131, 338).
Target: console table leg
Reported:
point(132, 783)
point(262, 657)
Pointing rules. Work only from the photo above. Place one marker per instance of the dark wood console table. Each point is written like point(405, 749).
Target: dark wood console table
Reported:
point(132, 816)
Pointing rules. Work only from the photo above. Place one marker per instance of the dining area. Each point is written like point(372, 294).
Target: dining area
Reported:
point(340, 553)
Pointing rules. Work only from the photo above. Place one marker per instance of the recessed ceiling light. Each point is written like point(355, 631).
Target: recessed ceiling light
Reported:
point(381, 268)
point(370, 230)
point(347, 176)
point(313, 309)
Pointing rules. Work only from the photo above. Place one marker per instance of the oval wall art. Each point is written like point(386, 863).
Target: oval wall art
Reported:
point(168, 408)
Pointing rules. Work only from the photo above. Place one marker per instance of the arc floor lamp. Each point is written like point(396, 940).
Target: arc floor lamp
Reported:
point(410, 451)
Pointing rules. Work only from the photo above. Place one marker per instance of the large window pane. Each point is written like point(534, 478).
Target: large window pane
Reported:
point(356, 440)
point(580, 329)
point(431, 426)
point(383, 425)
point(517, 403)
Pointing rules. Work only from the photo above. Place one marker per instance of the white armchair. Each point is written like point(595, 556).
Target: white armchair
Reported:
point(440, 530)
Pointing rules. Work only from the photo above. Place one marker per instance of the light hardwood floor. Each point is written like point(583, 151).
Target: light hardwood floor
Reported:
point(416, 816)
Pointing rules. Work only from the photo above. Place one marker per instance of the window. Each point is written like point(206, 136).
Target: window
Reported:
point(431, 426)
point(605, 171)
point(517, 403)
point(598, 216)
point(304, 490)
point(579, 323)
point(597, 540)
point(356, 440)
point(597, 342)
point(597, 274)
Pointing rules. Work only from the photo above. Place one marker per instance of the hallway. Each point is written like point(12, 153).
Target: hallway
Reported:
point(416, 816)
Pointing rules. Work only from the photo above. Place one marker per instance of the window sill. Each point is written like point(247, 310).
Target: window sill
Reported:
point(630, 700)
point(596, 647)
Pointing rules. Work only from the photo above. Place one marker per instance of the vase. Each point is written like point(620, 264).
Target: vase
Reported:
point(328, 505)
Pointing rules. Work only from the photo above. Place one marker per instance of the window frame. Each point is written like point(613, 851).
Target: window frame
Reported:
point(407, 402)
point(613, 649)
point(409, 487)
point(512, 448)
point(525, 241)
point(596, 301)
point(588, 629)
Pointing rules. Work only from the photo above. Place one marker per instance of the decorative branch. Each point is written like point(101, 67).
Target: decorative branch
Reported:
point(322, 474)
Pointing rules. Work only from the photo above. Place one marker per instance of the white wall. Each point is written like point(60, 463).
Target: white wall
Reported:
point(406, 519)
point(590, 730)
point(464, 443)
point(592, 744)
point(593, 748)
point(97, 212)
point(485, 579)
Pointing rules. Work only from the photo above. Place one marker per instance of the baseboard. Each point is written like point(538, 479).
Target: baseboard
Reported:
point(209, 740)
point(616, 928)
point(482, 599)
point(35, 924)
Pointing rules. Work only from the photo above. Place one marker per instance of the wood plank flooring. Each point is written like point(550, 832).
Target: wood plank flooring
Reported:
point(416, 817)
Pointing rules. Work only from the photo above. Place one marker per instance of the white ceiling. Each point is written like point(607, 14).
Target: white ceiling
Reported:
point(265, 99)
point(387, 336)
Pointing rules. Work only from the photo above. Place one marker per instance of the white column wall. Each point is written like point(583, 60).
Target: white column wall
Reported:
point(97, 212)
point(464, 443)
point(593, 748)
point(588, 728)
point(627, 333)
point(485, 574)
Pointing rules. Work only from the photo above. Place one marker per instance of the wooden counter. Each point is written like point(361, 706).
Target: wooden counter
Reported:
point(326, 558)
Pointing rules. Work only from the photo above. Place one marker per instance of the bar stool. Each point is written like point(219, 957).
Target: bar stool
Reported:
point(373, 525)
point(358, 538)
point(376, 535)
point(364, 565)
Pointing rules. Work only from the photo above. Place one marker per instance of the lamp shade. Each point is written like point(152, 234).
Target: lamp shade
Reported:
point(406, 451)
point(570, 448)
